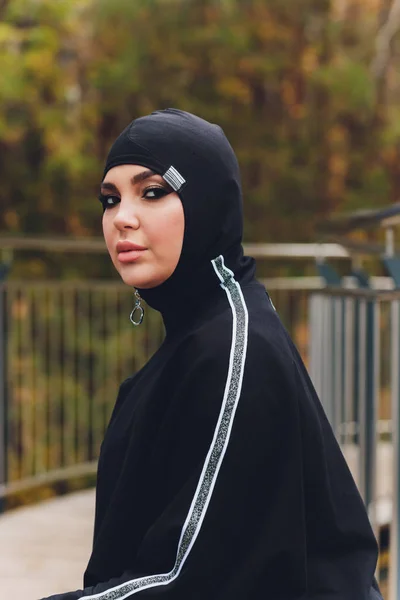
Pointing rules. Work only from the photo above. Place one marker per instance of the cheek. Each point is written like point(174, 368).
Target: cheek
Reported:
point(167, 232)
point(173, 232)
point(107, 230)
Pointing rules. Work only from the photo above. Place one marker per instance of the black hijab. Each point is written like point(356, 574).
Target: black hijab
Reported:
point(197, 161)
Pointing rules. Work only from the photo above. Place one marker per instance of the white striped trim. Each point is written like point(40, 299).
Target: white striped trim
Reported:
point(201, 499)
point(174, 178)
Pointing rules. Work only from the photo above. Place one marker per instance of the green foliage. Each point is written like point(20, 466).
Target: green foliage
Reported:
point(349, 86)
point(288, 82)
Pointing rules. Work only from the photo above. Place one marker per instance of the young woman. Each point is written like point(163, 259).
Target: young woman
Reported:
point(219, 476)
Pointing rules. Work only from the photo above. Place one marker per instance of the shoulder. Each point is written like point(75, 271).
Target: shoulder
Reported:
point(266, 335)
point(208, 343)
point(250, 317)
point(270, 357)
point(251, 330)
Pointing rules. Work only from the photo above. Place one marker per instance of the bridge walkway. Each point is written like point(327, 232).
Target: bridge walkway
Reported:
point(44, 548)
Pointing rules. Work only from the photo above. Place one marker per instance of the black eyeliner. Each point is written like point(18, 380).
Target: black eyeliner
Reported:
point(155, 187)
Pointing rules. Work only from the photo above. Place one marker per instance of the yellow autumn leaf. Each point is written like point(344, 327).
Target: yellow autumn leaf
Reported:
point(235, 89)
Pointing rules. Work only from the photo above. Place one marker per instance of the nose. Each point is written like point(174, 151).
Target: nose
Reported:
point(126, 216)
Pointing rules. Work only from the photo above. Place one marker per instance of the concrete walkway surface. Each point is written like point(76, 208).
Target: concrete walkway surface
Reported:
point(44, 548)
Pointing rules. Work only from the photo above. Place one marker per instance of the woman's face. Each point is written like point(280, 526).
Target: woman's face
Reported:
point(143, 225)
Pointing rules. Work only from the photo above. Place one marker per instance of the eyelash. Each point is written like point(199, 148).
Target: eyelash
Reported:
point(159, 191)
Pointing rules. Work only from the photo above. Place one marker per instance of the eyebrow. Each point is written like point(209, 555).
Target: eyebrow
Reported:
point(142, 176)
point(146, 174)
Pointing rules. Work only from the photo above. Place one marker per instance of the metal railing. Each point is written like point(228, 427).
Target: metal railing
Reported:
point(66, 346)
point(354, 364)
point(64, 349)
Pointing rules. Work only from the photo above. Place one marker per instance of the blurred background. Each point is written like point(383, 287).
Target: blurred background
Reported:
point(308, 93)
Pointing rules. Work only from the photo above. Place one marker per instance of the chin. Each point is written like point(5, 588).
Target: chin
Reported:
point(140, 280)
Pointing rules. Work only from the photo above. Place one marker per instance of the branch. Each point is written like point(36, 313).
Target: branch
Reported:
point(384, 40)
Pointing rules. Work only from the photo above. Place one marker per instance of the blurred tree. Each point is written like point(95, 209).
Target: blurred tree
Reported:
point(290, 83)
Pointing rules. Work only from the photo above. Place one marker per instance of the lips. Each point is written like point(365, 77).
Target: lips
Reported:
point(129, 252)
point(127, 246)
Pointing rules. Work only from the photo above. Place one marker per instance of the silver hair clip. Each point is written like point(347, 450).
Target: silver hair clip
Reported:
point(137, 308)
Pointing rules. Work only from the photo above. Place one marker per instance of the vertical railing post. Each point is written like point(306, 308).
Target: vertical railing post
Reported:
point(368, 390)
point(348, 356)
point(336, 365)
point(343, 370)
point(362, 396)
point(327, 349)
point(356, 370)
point(313, 343)
point(3, 390)
point(317, 356)
point(363, 282)
point(328, 343)
point(394, 570)
point(372, 385)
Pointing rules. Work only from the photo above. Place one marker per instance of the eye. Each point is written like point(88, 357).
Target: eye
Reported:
point(108, 201)
point(154, 192)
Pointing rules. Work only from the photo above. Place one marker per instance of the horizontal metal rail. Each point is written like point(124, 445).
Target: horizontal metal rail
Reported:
point(43, 479)
point(97, 246)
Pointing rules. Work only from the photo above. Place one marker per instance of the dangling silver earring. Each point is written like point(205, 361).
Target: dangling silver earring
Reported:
point(137, 308)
